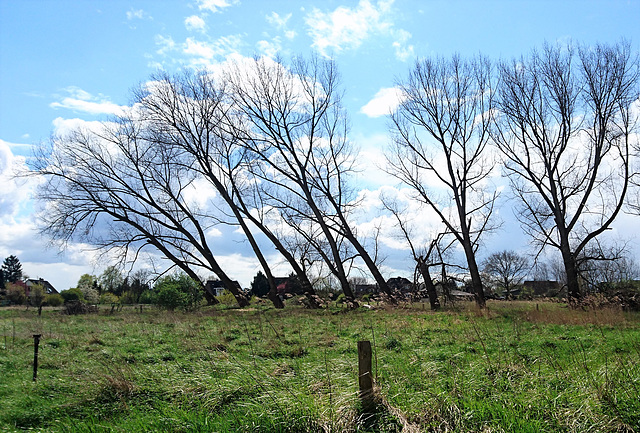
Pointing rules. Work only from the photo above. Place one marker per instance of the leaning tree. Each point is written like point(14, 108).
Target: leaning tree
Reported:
point(113, 187)
point(291, 122)
point(564, 124)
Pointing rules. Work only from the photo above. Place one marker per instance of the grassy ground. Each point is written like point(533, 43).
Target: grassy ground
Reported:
point(518, 367)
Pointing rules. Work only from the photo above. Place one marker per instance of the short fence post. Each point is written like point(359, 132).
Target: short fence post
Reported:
point(365, 378)
point(36, 343)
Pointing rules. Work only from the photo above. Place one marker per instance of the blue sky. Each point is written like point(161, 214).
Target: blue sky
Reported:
point(72, 61)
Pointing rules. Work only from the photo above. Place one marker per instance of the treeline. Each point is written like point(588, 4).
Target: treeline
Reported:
point(264, 145)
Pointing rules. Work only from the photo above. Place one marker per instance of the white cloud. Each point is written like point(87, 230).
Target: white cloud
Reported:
point(403, 51)
point(166, 44)
point(136, 14)
point(280, 23)
point(215, 5)
point(383, 103)
point(269, 49)
point(195, 22)
point(208, 53)
point(80, 100)
point(15, 191)
point(347, 28)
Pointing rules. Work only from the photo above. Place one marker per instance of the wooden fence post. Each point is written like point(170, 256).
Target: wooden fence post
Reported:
point(36, 343)
point(365, 378)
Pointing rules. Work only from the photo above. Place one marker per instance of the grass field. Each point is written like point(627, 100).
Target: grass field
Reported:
point(517, 367)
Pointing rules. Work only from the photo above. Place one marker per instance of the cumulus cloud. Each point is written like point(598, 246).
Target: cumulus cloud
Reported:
point(215, 5)
point(14, 191)
point(347, 28)
point(82, 101)
point(383, 103)
point(194, 22)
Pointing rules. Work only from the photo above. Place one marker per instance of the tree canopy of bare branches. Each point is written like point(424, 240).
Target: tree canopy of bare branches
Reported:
point(294, 127)
point(440, 150)
point(507, 269)
point(117, 190)
point(564, 125)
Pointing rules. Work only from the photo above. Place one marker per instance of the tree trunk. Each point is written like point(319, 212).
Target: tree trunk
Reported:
point(476, 281)
point(428, 284)
point(571, 269)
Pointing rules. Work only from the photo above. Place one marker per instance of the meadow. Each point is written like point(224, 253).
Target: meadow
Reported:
point(515, 367)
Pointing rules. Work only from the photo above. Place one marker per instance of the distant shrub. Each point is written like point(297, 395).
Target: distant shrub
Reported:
point(128, 297)
point(72, 295)
point(90, 295)
point(54, 300)
point(170, 298)
point(227, 299)
point(109, 298)
point(147, 297)
point(78, 307)
point(16, 294)
point(178, 291)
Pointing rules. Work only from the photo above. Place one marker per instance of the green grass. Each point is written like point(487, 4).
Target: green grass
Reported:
point(513, 368)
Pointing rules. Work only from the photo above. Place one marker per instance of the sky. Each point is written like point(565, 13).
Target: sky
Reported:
point(67, 62)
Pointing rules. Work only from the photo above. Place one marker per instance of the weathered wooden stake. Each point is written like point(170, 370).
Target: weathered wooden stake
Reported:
point(365, 378)
point(36, 343)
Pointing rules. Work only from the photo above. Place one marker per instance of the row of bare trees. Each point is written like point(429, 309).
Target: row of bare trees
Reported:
point(264, 146)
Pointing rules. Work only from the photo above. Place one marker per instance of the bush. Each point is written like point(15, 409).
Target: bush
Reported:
point(147, 297)
point(178, 291)
point(72, 295)
point(170, 298)
point(109, 298)
point(54, 300)
point(227, 299)
point(128, 297)
point(16, 294)
point(90, 295)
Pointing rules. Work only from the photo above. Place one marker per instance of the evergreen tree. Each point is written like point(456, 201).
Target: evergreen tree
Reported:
point(260, 285)
point(12, 269)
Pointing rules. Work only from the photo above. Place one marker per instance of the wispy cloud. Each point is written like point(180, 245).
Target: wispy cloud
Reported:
point(215, 5)
point(204, 53)
point(137, 14)
point(80, 100)
point(347, 28)
point(280, 23)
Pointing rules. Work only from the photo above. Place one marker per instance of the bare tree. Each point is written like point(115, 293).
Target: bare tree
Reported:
point(187, 113)
point(441, 132)
point(609, 264)
point(507, 269)
point(292, 123)
point(564, 125)
point(117, 190)
point(426, 256)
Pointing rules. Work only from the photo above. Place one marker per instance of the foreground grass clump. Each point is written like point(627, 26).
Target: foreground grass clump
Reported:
point(517, 367)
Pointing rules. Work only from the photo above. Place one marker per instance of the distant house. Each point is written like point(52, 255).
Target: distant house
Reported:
point(216, 287)
point(542, 288)
point(400, 284)
point(365, 289)
point(288, 285)
point(460, 295)
point(48, 288)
